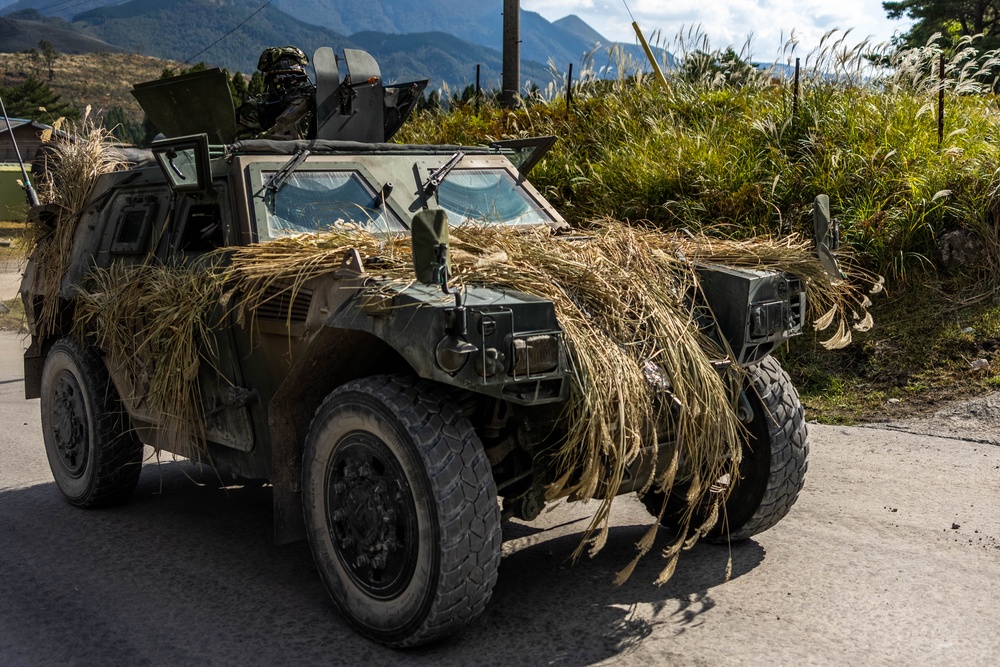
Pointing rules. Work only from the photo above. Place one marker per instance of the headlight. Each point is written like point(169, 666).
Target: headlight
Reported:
point(534, 355)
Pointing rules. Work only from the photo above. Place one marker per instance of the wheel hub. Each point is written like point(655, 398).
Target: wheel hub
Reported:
point(69, 423)
point(371, 515)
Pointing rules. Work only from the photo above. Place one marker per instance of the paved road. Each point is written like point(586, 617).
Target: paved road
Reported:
point(891, 556)
point(10, 279)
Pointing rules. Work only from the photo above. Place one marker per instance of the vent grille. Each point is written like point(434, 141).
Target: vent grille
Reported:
point(279, 306)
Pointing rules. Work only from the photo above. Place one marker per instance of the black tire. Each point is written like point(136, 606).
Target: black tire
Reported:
point(400, 509)
point(93, 452)
point(774, 464)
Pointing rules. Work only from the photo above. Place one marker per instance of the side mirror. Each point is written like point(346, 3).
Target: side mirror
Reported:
point(430, 247)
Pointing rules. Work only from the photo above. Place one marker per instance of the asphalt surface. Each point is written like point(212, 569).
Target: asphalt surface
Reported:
point(891, 556)
point(10, 279)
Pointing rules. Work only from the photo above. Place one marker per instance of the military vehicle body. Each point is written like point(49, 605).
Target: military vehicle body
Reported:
point(387, 430)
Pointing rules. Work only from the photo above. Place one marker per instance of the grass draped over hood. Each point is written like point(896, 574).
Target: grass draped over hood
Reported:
point(622, 297)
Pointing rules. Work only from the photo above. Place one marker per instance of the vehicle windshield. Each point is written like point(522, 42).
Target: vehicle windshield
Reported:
point(487, 196)
point(310, 201)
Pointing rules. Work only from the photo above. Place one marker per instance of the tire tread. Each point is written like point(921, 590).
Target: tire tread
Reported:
point(462, 482)
point(789, 437)
point(119, 452)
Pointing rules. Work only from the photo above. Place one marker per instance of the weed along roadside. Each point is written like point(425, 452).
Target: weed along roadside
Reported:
point(394, 361)
point(719, 150)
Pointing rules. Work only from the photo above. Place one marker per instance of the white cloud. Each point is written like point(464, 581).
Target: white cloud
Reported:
point(731, 22)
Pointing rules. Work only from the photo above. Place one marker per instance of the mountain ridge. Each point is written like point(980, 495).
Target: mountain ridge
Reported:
point(429, 47)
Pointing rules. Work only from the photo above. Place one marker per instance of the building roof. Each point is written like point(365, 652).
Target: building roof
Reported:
point(12, 123)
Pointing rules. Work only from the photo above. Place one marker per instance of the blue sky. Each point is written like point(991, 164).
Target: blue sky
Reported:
point(731, 21)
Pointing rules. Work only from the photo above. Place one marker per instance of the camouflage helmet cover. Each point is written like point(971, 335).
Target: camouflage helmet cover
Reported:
point(282, 58)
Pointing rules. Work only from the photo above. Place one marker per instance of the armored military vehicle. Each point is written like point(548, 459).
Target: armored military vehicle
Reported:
point(387, 431)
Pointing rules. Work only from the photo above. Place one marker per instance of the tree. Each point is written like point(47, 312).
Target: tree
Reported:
point(256, 85)
point(50, 55)
point(430, 102)
point(32, 98)
point(238, 89)
point(726, 66)
point(953, 18)
point(125, 130)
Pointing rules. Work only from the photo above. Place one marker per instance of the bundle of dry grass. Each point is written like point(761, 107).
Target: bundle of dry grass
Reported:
point(621, 296)
point(844, 301)
point(79, 154)
point(155, 324)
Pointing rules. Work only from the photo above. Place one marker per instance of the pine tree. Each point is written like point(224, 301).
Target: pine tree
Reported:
point(50, 55)
point(34, 100)
point(953, 18)
point(125, 130)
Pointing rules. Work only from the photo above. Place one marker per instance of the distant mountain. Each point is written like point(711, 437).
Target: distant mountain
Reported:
point(442, 40)
point(576, 26)
point(410, 57)
point(479, 22)
point(182, 30)
point(21, 35)
point(399, 16)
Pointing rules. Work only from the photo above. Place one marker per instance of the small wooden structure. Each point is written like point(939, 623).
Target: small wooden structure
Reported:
point(28, 134)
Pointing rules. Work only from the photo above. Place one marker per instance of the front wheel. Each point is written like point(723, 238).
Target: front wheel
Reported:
point(94, 455)
point(400, 509)
point(774, 463)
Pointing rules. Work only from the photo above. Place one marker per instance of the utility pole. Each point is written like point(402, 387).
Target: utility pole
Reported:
point(511, 52)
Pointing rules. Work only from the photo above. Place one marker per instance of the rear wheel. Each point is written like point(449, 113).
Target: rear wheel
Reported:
point(94, 455)
point(400, 509)
point(773, 466)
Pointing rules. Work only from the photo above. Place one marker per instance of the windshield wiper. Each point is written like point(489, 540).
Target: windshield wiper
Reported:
point(278, 178)
point(435, 180)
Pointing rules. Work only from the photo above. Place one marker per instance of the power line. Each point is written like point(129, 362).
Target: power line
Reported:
point(241, 24)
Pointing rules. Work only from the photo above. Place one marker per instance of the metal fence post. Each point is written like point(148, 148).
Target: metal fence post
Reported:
point(941, 101)
point(795, 91)
point(569, 88)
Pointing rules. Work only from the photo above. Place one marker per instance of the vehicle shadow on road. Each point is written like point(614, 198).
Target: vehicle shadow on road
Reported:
point(548, 609)
point(187, 571)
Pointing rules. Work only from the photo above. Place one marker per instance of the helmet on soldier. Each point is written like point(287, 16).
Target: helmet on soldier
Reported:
point(281, 57)
point(283, 67)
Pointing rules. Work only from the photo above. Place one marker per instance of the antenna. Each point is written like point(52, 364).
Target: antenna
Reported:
point(629, 11)
point(645, 47)
point(29, 191)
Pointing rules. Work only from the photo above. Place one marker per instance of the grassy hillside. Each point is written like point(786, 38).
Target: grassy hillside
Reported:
point(102, 80)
